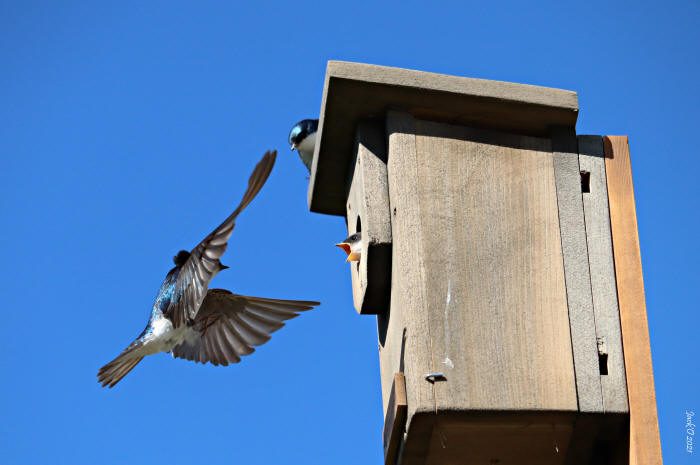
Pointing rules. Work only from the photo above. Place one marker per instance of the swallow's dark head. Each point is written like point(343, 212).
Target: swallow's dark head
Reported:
point(181, 257)
point(353, 238)
point(301, 130)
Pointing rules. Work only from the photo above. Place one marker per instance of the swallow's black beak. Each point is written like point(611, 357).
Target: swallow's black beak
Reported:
point(223, 267)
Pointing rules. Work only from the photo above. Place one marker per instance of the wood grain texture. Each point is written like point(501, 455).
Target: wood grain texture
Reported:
point(645, 445)
point(578, 280)
point(492, 270)
point(408, 305)
point(456, 85)
point(368, 211)
point(355, 91)
point(602, 272)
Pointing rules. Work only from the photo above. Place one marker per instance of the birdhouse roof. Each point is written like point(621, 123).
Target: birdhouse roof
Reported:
point(356, 91)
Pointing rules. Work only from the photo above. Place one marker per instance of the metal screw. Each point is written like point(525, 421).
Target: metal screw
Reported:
point(434, 377)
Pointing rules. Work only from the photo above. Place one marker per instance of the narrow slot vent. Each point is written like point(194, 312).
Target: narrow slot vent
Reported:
point(585, 182)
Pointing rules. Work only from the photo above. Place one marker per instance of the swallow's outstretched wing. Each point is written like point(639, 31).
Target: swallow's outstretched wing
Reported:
point(203, 261)
point(229, 326)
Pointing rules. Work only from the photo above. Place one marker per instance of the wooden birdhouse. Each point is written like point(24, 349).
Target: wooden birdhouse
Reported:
point(500, 255)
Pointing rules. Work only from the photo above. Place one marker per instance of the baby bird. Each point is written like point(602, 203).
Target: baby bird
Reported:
point(352, 245)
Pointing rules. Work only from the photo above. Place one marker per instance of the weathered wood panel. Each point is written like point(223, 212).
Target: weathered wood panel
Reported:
point(645, 445)
point(490, 269)
point(602, 271)
point(354, 91)
point(408, 316)
point(368, 212)
point(578, 280)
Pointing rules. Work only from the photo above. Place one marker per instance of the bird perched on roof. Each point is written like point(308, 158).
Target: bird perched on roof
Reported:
point(206, 325)
point(302, 138)
point(352, 245)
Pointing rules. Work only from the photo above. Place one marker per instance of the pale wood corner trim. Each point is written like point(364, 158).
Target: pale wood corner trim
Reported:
point(645, 443)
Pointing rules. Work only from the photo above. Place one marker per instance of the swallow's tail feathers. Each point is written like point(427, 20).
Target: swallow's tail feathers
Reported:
point(110, 374)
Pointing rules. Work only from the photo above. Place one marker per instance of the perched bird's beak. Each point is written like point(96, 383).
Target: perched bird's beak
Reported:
point(294, 146)
point(223, 267)
point(352, 256)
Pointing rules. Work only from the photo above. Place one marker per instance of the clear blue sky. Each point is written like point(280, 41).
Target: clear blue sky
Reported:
point(127, 131)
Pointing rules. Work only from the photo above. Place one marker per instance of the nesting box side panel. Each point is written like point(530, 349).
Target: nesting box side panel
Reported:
point(495, 291)
point(368, 213)
point(407, 345)
point(600, 256)
point(576, 268)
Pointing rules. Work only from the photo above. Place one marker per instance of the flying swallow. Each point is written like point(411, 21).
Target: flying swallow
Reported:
point(302, 138)
point(206, 325)
point(352, 245)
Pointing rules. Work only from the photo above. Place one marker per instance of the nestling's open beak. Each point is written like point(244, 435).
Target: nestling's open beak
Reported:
point(352, 256)
point(345, 246)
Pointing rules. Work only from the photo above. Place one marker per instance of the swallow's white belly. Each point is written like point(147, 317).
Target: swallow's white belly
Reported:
point(165, 337)
point(306, 149)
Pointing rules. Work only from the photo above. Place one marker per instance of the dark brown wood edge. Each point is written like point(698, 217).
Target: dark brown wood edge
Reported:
point(645, 443)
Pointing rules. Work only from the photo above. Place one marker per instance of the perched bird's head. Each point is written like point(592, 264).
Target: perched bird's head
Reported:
point(301, 131)
point(352, 246)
